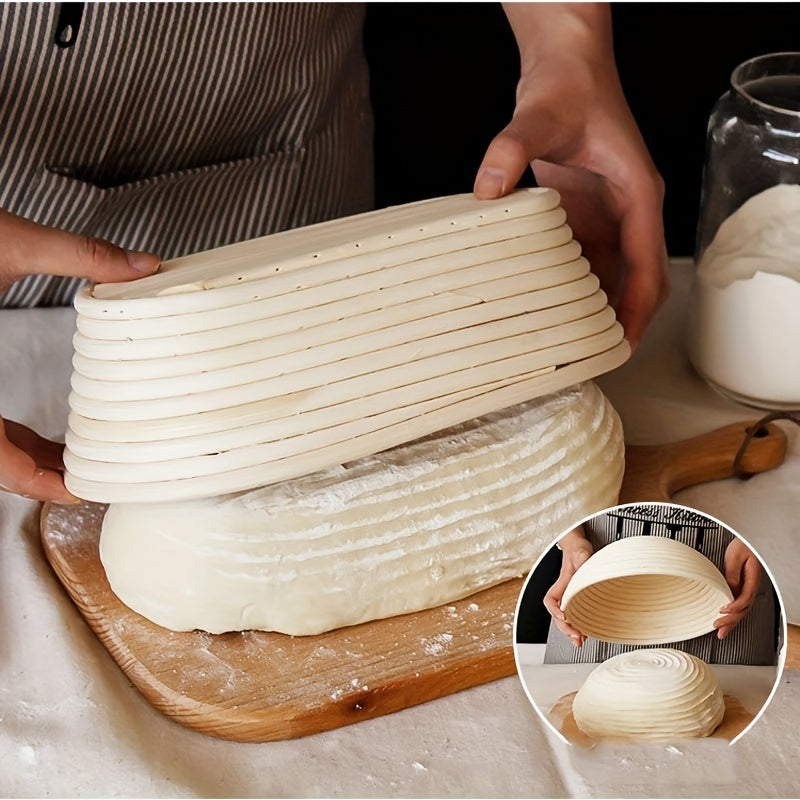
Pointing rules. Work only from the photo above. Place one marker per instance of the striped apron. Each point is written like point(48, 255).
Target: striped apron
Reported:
point(179, 127)
point(752, 641)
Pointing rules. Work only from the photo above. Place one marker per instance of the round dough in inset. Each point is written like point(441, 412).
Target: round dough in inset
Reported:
point(650, 694)
point(409, 528)
point(645, 590)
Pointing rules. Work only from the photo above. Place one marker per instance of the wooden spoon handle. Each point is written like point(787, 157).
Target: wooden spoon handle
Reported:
point(655, 473)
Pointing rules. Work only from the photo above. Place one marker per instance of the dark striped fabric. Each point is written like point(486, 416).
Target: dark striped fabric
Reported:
point(178, 127)
point(752, 641)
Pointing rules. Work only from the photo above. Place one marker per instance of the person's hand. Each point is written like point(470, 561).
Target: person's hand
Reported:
point(743, 575)
point(575, 550)
point(30, 465)
point(32, 249)
point(573, 125)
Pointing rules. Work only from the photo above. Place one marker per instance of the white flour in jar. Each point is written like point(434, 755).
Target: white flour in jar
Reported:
point(744, 329)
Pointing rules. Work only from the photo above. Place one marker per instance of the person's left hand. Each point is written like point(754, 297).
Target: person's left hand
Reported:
point(575, 550)
point(573, 125)
point(743, 574)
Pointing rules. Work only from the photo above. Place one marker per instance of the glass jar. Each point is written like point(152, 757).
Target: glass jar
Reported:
point(744, 327)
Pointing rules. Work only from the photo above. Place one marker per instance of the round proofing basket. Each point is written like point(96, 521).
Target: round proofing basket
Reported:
point(645, 590)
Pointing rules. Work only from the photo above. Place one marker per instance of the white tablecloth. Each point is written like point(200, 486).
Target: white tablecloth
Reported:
point(72, 725)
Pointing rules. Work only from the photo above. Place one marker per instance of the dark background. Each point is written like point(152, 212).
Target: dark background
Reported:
point(444, 75)
point(443, 80)
point(533, 619)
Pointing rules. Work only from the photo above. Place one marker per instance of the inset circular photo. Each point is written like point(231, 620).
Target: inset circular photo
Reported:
point(649, 622)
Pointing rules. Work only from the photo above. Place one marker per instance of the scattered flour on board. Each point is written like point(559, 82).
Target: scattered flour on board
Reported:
point(436, 645)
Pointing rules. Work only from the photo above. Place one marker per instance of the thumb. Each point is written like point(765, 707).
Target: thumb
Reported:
point(533, 133)
point(502, 166)
point(733, 575)
point(38, 249)
point(552, 599)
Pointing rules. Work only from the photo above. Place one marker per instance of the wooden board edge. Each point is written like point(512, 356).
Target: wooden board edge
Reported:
point(284, 720)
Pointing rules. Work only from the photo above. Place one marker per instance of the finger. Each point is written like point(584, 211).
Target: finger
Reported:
point(724, 631)
point(502, 166)
point(746, 579)
point(575, 635)
point(647, 276)
point(557, 589)
point(44, 452)
point(533, 133)
point(734, 566)
point(552, 604)
point(749, 580)
point(740, 604)
point(571, 561)
point(729, 621)
point(20, 474)
point(38, 249)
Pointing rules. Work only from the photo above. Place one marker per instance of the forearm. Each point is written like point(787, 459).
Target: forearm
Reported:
point(574, 540)
point(569, 83)
point(565, 31)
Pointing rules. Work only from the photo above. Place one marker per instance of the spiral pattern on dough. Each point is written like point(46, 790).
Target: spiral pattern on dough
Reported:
point(645, 590)
point(659, 694)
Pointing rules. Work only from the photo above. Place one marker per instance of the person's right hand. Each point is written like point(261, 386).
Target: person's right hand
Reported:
point(575, 550)
point(30, 465)
point(33, 249)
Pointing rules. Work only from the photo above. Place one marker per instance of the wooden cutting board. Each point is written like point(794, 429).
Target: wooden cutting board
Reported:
point(256, 686)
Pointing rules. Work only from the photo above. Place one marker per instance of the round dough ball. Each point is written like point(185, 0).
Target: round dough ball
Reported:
point(661, 694)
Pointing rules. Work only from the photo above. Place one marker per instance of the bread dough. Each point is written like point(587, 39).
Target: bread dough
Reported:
point(645, 590)
point(661, 694)
point(410, 528)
